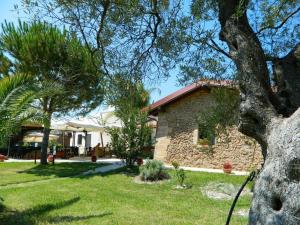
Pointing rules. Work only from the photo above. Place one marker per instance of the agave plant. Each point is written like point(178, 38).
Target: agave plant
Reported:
point(17, 92)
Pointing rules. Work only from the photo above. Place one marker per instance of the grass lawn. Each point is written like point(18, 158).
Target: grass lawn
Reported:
point(14, 173)
point(112, 198)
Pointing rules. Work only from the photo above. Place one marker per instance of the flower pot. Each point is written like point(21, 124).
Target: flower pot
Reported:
point(94, 158)
point(2, 158)
point(227, 167)
point(50, 158)
point(60, 154)
point(139, 161)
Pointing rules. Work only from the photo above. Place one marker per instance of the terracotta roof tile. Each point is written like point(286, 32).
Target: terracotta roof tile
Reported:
point(186, 90)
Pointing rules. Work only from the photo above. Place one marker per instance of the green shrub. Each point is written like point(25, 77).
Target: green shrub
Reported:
point(180, 174)
point(153, 170)
point(1, 204)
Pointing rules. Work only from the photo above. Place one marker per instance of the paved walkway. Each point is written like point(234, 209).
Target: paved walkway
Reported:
point(239, 173)
point(105, 169)
point(71, 160)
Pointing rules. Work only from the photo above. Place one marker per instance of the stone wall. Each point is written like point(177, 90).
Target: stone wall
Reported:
point(177, 137)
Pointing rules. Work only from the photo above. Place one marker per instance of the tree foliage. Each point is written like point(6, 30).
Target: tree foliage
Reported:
point(16, 95)
point(215, 119)
point(129, 98)
point(158, 36)
point(50, 55)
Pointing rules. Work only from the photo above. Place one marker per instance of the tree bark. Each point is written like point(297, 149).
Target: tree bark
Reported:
point(45, 145)
point(46, 132)
point(276, 197)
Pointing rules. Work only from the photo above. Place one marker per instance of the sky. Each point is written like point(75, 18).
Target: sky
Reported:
point(162, 89)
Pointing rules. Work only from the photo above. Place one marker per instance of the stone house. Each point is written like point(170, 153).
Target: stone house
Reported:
point(177, 136)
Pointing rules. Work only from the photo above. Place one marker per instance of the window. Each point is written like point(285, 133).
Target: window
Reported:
point(205, 137)
point(79, 139)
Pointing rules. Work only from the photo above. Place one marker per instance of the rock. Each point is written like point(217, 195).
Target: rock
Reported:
point(222, 191)
point(242, 212)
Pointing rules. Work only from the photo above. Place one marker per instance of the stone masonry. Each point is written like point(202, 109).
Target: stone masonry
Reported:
point(177, 138)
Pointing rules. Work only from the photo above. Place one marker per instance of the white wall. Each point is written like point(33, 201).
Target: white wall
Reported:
point(95, 139)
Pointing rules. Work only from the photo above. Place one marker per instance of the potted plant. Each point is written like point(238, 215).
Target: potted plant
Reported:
point(94, 157)
point(139, 161)
point(2, 158)
point(227, 167)
point(203, 141)
point(50, 158)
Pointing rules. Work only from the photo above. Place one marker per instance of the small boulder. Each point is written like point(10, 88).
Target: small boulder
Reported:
point(222, 191)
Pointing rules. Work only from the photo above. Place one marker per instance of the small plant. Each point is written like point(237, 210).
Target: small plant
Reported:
point(180, 174)
point(153, 170)
point(204, 141)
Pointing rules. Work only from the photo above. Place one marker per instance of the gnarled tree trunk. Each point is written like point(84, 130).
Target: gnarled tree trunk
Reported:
point(272, 118)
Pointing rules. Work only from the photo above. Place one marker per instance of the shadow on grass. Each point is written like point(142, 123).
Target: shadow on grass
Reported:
point(36, 215)
point(61, 169)
point(131, 171)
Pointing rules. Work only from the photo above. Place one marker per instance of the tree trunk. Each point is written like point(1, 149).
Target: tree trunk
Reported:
point(45, 145)
point(45, 142)
point(276, 197)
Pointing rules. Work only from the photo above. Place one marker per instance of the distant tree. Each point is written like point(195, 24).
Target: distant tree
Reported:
point(51, 55)
point(129, 97)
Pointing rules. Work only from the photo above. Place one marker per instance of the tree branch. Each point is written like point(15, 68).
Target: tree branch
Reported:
point(154, 31)
point(216, 47)
point(100, 46)
point(258, 103)
point(281, 24)
point(286, 75)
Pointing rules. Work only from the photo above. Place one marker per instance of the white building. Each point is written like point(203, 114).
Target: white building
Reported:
point(90, 130)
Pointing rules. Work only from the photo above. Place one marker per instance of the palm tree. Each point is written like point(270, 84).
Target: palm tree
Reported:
point(17, 92)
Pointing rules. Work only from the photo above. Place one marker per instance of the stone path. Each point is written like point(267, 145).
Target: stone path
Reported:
point(103, 169)
point(239, 173)
point(71, 160)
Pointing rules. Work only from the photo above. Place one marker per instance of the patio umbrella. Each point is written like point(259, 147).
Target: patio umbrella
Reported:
point(85, 126)
point(37, 137)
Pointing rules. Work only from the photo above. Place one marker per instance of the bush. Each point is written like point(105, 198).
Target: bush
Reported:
point(153, 170)
point(129, 141)
point(180, 174)
point(1, 204)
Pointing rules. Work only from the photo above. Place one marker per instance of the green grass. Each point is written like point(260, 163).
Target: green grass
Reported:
point(14, 173)
point(114, 198)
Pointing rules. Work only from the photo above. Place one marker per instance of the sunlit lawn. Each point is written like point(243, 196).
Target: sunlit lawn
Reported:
point(12, 173)
point(108, 199)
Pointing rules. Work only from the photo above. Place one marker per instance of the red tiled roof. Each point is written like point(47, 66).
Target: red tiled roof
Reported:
point(187, 90)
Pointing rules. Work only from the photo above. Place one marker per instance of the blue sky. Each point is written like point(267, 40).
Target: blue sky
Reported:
point(165, 87)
